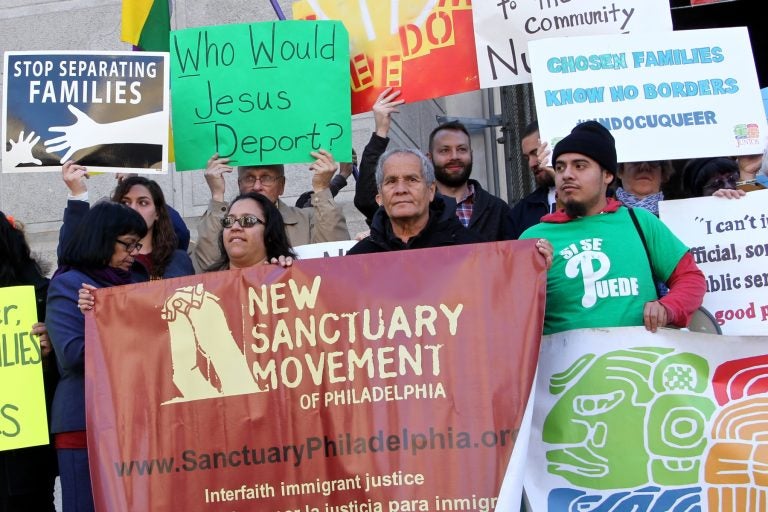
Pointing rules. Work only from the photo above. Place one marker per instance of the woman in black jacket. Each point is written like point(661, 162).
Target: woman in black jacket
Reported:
point(27, 475)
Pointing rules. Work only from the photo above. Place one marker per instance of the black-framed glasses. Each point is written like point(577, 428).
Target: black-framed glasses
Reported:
point(130, 246)
point(245, 221)
point(266, 179)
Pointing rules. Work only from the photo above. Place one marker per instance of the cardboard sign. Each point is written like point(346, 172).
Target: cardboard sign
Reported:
point(23, 420)
point(366, 382)
point(424, 48)
point(729, 241)
point(260, 93)
point(107, 111)
point(504, 28)
point(625, 419)
point(683, 94)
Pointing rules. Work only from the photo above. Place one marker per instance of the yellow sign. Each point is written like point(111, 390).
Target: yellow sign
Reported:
point(22, 397)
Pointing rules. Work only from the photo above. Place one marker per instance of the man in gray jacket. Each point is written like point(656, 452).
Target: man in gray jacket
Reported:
point(324, 222)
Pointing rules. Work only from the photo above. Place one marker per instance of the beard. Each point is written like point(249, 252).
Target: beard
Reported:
point(453, 179)
point(543, 179)
point(575, 209)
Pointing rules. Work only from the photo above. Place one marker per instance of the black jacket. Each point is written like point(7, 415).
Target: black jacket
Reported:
point(529, 211)
point(491, 216)
point(31, 472)
point(443, 228)
point(365, 186)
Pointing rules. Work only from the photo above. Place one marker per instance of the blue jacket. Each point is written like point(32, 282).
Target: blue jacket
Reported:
point(66, 328)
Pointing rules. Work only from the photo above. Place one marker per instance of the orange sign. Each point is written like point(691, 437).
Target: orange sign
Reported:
point(385, 382)
point(425, 48)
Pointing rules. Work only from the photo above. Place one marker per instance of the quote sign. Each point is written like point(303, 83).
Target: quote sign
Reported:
point(625, 419)
point(682, 94)
point(107, 111)
point(261, 93)
point(22, 401)
point(404, 45)
point(729, 241)
point(280, 389)
point(503, 29)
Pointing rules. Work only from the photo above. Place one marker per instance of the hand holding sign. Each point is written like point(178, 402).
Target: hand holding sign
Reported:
point(323, 169)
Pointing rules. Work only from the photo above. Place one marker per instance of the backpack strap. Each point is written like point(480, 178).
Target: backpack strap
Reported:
point(633, 216)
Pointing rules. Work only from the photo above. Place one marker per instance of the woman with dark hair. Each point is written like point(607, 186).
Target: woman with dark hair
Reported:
point(253, 233)
point(101, 252)
point(159, 256)
point(710, 177)
point(27, 475)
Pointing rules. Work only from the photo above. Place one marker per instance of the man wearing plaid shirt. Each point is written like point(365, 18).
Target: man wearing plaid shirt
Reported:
point(477, 209)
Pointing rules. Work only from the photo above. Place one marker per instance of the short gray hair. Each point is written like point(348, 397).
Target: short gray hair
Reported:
point(243, 169)
point(427, 169)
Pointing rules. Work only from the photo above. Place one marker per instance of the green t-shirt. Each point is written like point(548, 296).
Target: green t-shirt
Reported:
point(600, 275)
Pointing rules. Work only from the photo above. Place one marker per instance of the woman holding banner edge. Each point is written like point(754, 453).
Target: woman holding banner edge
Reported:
point(100, 252)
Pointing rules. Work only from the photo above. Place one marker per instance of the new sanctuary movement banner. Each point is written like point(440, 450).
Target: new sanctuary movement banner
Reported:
point(384, 382)
point(627, 420)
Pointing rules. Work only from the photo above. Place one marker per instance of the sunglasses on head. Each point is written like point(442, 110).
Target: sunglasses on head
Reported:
point(245, 221)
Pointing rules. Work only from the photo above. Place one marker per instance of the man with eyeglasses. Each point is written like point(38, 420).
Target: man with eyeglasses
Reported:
point(323, 222)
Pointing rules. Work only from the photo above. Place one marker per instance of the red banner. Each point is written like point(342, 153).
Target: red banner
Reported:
point(384, 382)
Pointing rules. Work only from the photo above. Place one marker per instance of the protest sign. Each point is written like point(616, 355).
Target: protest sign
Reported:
point(107, 111)
point(504, 28)
point(625, 419)
point(324, 249)
point(260, 93)
point(729, 241)
point(424, 48)
point(278, 389)
point(683, 94)
point(23, 420)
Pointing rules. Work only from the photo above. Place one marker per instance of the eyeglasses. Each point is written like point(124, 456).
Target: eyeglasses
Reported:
point(727, 181)
point(266, 179)
point(130, 246)
point(246, 221)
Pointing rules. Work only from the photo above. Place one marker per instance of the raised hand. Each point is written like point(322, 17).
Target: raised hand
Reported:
point(323, 169)
point(386, 105)
point(214, 176)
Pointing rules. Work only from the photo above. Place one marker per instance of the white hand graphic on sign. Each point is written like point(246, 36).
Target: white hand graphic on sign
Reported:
point(85, 132)
point(21, 151)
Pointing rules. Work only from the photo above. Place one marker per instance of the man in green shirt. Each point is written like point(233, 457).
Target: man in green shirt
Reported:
point(603, 274)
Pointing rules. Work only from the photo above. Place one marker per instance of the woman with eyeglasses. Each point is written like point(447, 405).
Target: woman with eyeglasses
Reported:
point(253, 234)
point(101, 252)
point(715, 176)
